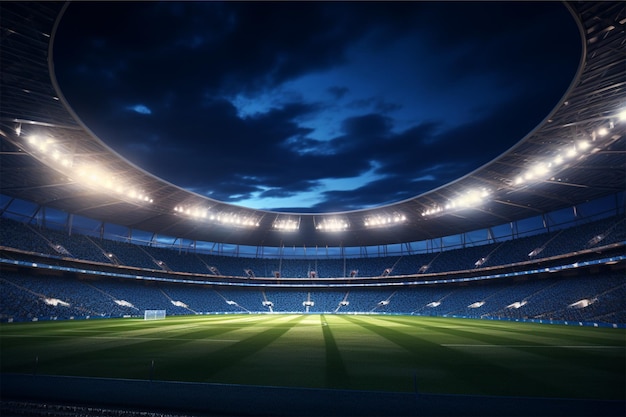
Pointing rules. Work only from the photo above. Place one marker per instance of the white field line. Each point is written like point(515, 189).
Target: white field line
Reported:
point(120, 337)
point(534, 346)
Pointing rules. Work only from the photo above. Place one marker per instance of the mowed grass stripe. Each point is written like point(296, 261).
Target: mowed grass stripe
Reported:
point(522, 333)
point(596, 361)
point(296, 358)
point(62, 353)
point(440, 368)
point(586, 372)
point(120, 357)
point(203, 365)
point(360, 352)
point(371, 361)
point(336, 373)
point(575, 334)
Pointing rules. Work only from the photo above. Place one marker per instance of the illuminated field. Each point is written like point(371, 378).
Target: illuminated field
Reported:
point(389, 353)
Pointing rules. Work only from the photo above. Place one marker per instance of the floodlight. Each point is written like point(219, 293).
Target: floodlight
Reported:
point(622, 115)
point(471, 198)
point(332, 224)
point(384, 220)
point(287, 224)
point(558, 160)
point(540, 169)
point(603, 131)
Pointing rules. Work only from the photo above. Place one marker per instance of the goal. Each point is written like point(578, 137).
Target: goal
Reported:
point(154, 314)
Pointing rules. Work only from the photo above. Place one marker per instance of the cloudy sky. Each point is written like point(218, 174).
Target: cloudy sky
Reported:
point(314, 106)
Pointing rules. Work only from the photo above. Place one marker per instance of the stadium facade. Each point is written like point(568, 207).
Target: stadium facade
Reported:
point(75, 244)
point(50, 158)
point(495, 222)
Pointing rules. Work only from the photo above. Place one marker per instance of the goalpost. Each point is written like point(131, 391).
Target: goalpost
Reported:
point(154, 314)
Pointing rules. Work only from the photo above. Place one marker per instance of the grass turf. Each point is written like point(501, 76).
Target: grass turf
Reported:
point(388, 353)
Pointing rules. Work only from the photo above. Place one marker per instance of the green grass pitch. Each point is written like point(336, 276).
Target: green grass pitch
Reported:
point(389, 353)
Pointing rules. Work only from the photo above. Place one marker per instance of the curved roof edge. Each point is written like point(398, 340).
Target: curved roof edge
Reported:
point(546, 170)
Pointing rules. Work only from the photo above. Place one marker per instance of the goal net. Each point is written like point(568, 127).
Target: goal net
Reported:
point(154, 314)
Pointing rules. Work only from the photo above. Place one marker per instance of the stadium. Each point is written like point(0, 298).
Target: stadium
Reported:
point(500, 293)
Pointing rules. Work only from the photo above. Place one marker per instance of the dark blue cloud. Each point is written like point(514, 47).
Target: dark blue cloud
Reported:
point(313, 106)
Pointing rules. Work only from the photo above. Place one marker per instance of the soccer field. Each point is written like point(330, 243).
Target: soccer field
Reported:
point(388, 353)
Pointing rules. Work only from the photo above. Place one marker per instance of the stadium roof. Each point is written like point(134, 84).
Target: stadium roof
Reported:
point(576, 154)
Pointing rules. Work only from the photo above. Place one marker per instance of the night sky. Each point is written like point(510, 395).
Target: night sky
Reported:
point(314, 106)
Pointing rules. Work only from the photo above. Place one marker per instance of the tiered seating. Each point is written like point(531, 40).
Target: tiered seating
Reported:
point(17, 235)
point(23, 298)
point(24, 295)
point(20, 236)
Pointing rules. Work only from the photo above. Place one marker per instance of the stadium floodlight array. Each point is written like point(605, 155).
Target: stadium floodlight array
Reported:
point(154, 314)
point(87, 172)
point(547, 168)
point(332, 224)
point(223, 217)
point(470, 198)
point(288, 224)
point(384, 220)
point(543, 168)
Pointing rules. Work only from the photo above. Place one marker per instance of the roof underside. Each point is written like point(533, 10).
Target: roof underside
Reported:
point(30, 102)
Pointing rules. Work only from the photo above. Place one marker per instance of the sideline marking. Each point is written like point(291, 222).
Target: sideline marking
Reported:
point(121, 337)
point(534, 346)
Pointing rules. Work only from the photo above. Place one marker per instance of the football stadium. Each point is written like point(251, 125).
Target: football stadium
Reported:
point(502, 292)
